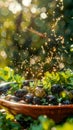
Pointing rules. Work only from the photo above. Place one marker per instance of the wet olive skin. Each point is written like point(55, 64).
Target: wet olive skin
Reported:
point(28, 98)
point(51, 99)
point(56, 89)
point(36, 100)
point(20, 93)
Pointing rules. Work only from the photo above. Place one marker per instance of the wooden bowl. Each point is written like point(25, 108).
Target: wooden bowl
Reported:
point(56, 112)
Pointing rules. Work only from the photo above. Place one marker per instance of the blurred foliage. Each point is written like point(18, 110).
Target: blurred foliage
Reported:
point(37, 36)
point(64, 78)
point(44, 123)
point(8, 123)
point(8, 75)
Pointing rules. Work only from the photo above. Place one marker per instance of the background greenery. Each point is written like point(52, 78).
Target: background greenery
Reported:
point(36, 37)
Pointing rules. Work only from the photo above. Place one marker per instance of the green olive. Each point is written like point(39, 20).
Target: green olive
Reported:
point(39, 92)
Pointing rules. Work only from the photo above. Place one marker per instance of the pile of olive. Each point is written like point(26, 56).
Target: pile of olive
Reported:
point(28, 94)
point(57, 95)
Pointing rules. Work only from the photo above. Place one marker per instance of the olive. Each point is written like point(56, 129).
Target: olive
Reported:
point(56, 89)
point(16, 99)
point(66, 102)
point(28, 98)
point(51, 99)
point(36, 100)
point(12, 98)
point(26, 88)
point(20, 93)
point(4, 89)
point(39, 92)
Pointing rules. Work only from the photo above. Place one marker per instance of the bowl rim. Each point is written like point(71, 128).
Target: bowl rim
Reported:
point(55, 112)
point(3, 101)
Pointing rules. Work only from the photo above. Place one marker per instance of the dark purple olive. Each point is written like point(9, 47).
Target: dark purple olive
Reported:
point(51, 99)
point(56, 89)
point(66, 102)
point(20, 93)
point(28, 98)
point(4, 89)
point(36, 100)
point(17, 99)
